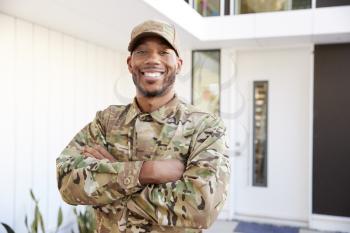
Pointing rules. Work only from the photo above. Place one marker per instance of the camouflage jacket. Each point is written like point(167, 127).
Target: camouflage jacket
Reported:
point(176, 130)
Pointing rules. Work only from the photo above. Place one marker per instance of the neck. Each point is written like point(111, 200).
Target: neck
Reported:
point(149, 104)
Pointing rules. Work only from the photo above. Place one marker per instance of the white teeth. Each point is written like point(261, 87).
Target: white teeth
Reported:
point(153, 74)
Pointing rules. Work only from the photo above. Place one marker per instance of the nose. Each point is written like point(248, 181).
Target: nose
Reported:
point(152, 58)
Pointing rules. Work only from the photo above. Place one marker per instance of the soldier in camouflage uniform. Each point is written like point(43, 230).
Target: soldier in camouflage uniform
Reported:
point(155, 165)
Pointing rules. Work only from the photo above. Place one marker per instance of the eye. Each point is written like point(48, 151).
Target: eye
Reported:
point(164, 52)
point(140, 52)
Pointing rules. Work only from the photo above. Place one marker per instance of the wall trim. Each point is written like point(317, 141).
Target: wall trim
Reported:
point(271, 220)
point(330, 223)
point(311, 127)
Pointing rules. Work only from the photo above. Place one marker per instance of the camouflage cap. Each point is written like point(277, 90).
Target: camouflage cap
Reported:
point(153, 28)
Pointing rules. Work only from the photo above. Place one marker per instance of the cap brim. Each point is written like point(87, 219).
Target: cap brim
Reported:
point(133, 43)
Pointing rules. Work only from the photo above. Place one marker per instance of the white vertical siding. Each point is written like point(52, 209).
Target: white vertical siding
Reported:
point(7, 135)
point(55, 117)
point(23, 115)
point(40, 105)
point(51, 85)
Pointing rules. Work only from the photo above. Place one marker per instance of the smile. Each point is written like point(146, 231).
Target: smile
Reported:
point(152, 75)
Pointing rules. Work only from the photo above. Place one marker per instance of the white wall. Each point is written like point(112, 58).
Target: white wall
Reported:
point(51, 85)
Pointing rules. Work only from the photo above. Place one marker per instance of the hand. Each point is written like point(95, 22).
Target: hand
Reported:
point(98, 152)
point(161, 171)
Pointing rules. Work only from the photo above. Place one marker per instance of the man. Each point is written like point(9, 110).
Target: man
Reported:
point(155, 165)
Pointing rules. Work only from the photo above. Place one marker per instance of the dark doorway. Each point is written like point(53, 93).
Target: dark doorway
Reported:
point(331, 140)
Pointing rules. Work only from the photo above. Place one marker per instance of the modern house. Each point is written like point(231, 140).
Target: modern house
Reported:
point(284, 78)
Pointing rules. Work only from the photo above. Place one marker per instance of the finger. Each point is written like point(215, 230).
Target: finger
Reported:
point(93, 152)
point(105, 153)
point(86, 154)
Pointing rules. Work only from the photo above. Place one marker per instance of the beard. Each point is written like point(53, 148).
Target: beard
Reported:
point(166, 86)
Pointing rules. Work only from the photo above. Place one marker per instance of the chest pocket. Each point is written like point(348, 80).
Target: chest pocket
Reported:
point(118, 142)
point(177, 144)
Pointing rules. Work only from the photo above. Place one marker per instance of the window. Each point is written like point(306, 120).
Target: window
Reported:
point(207, 7)
point(206, 80)
point(227, 7)
point(260, 111)
point(213, 7)
point(256, 6)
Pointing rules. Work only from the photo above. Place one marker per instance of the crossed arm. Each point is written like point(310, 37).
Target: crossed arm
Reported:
point(165, 192)
point(88, 174)
point(73, 183)
point(152, 172)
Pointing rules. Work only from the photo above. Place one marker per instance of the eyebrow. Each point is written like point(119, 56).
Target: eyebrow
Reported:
point(164, 44)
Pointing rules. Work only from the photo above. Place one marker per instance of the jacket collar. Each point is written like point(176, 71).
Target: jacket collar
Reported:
point(161, 114)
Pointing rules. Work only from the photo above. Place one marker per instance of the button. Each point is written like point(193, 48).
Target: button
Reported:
point(146, 117)
point(127, 181)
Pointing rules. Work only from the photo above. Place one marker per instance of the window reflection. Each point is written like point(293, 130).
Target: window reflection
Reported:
point(260, 133)
point(207, 7)
point(206, 80)
point(212, 7)
point(256, 6)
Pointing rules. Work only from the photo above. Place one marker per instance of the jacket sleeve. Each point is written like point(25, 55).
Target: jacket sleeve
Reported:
point(196, 199)
point(89, 181)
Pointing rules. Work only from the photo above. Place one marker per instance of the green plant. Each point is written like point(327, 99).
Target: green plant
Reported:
point(86, 220)
point(38, 222)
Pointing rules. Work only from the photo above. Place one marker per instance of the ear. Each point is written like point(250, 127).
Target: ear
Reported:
point(128, 61)
point(179, 65)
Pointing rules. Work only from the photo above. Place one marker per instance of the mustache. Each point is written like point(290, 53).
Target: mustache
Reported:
point(152, 67)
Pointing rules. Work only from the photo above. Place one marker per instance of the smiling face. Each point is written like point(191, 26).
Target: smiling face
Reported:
point(153, 65)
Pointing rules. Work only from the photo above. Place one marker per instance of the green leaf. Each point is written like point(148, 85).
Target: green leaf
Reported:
point(86, 220)
point(26, 222)
point(41, 221)
point(34, 227)
point(32, 196)
point(59, 218)
point(35, 220)
point(8, 228)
